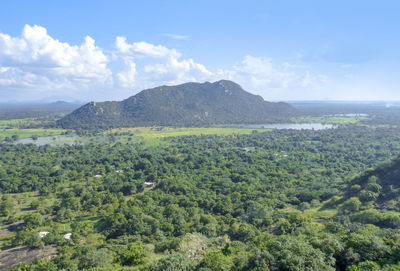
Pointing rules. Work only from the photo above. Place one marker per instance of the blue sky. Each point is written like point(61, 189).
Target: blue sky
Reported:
point(282, 50)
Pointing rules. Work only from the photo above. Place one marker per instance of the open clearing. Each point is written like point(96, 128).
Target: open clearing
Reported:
point(155, 135)
point(25, 133)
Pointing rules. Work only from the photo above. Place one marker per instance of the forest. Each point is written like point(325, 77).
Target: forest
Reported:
point(264, 199)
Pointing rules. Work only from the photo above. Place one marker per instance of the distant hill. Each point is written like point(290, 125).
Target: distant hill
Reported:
point(36, 110)
point(190, 104)
point(61, 103)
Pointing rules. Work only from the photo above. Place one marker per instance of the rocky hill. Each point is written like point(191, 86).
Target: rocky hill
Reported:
point(190, 104)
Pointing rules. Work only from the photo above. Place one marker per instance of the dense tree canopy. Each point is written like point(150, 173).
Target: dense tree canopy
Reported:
point(277, 200)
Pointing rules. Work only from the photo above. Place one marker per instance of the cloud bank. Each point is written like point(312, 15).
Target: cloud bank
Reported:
point(37, 61)
point(35, 64)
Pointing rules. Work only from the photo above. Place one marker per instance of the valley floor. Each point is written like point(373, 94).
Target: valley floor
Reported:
point(159, 198)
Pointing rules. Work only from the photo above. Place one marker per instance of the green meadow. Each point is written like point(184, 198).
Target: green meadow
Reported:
point(153, 136)
point(25, 133)
point(150, 136)
point(329, 119)
point(15, 123)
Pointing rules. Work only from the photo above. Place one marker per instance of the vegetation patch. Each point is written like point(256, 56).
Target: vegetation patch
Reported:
point(16, 133)
point(156, 135)
point(164, 198)
point(329, 119)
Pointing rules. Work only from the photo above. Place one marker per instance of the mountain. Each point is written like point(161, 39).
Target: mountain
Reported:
point(189, 104)
point(61, 103)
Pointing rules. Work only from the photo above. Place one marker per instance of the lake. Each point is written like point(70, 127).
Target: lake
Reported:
point(43, 140)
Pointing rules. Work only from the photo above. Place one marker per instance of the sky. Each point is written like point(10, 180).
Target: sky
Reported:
point(282, 50)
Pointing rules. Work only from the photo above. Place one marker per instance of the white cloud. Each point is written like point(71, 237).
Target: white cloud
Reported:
point(36, 60)
point(256, 65)
point(126, 78)
point(174, 71)
point(144, 49)
point(260, 75)
point(37, 64)
point(171, 70)
point(174, 36)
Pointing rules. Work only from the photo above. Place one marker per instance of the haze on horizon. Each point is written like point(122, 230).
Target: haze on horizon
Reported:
point(291, 50)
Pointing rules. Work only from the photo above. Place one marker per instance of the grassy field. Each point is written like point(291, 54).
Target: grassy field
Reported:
point(8, 128)
point(16, 123)
point(25, 133)
point(153, 136)
point(329, 120)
